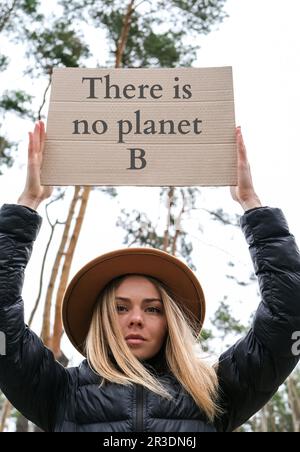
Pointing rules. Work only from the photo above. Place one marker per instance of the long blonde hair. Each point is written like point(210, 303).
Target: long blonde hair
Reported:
point(181, 350)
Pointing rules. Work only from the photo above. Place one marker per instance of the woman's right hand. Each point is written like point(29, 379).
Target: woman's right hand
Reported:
point(34, 193)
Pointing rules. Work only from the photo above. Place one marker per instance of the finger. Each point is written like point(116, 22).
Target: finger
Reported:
point(242, 142)
point(42, 133)
point(36, 138)
point(42, 125)
point(30, 141)
point(241, 147)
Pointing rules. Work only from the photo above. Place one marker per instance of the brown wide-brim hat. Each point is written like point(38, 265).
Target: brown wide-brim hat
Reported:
point(84, 289)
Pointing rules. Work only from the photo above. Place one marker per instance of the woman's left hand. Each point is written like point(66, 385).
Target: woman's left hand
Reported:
point(244, 192)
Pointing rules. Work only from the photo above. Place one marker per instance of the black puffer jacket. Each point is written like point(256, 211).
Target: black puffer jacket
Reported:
point(59, 399)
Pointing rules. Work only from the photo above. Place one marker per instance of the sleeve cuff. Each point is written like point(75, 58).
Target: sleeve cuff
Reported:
point(253, 208)
point(263, 222)
point(19, 221)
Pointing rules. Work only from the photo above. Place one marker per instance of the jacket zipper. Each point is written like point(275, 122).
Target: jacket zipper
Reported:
point(139, 408)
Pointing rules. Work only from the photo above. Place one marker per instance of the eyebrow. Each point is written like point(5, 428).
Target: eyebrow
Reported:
point(147, 300)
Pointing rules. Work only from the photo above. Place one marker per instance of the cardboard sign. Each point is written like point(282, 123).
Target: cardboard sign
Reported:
point(141, 127)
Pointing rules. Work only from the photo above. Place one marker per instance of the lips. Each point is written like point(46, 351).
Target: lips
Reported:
point(134, 337)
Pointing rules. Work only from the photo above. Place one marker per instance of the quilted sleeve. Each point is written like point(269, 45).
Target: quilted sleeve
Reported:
point(251, 371)
point(29, 375)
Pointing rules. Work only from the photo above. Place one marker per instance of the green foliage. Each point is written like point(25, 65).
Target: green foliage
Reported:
point(4, 61)
point(56, 46)
point(198, 16)
point(157, 29)
point(144, 47)
point(6, 159)
point(15, 14)
point(15, 101)
point(225, 322)
point(205, 337)
point(29, 6)
point(206, 334)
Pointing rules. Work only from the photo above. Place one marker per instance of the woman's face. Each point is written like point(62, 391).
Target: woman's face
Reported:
point(141, 313)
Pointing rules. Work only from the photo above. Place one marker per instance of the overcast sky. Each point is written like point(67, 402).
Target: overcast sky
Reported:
point(261, 41)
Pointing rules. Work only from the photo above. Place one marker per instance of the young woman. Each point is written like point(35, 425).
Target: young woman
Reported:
point(135, 314)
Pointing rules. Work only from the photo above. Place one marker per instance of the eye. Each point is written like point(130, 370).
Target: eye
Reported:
point(120, 308)
point(155, 309)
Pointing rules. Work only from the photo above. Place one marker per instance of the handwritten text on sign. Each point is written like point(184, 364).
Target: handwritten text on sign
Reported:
point(141, 127)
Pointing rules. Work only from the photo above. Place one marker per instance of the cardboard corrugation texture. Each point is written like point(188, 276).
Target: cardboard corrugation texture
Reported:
point(179, 130)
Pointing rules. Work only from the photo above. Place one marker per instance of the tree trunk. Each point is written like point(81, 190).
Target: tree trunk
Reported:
point(46, 333)
point(124, 35)
point(271, 417)
point(264, 419)
point(22, 424)
point(178, 225)
point(7, 407)
point(294, 403)
point(167, 230)
point(58, 327)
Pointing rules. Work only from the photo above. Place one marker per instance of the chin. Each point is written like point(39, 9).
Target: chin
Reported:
point(140, 356)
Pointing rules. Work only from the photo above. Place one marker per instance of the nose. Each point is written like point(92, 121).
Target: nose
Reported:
point(136, 318)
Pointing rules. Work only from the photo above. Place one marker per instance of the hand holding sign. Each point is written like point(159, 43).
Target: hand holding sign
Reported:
point(244, 192)
point(34, 193)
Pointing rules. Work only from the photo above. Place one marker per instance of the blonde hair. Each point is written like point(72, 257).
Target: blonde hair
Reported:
point(196, 376)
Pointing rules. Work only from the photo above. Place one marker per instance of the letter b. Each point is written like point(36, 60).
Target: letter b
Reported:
point(133, 157)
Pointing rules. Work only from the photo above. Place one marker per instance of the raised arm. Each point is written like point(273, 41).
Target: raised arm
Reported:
point(251, 371)
point(29, 375)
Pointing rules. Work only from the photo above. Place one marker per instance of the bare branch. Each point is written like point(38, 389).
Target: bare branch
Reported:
point(38, 299)
point(6, 15)
point(60, 196)
point(124, 34)
point(44, 97)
